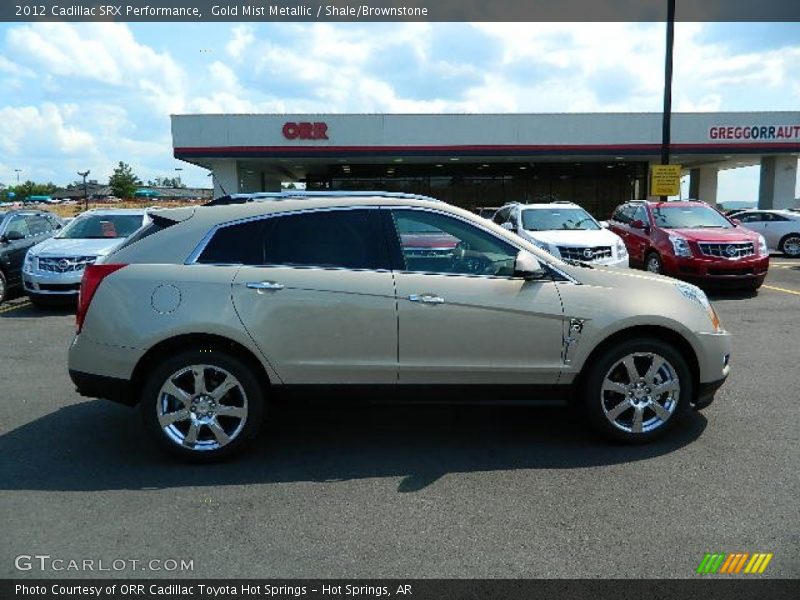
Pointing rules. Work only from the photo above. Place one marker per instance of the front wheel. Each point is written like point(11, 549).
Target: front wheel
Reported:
point(653, 263)
point(790, 245)
point(637, 390)
point(202, 405)
point(3, 288)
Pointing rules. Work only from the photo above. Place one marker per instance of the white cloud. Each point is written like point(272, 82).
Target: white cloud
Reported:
point(243, 37)
point(105, 53)
point(31, 127)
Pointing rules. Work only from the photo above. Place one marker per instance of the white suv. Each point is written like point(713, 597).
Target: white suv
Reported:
point(565, 230)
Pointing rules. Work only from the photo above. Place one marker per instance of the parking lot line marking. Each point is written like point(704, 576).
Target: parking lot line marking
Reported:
point(779, 289)
point(15, 307)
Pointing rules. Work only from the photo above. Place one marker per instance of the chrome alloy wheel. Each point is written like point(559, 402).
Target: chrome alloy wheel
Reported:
point(791, 246)
point(653, 264)
point(640, 392)
point(202, 407)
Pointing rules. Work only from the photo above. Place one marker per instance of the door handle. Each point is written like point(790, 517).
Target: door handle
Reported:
point(426, 298)
point(264, 285)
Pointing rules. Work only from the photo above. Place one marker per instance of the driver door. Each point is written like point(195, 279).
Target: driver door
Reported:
point(463, 318)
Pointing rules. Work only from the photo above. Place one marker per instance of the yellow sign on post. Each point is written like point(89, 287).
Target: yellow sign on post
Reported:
point(665, 180)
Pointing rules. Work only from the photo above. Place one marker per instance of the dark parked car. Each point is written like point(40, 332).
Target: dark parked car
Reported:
point(691, 241)
point(19, 230)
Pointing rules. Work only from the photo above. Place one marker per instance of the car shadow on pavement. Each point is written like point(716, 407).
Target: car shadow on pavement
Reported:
point(717, 294)
point(96, 445)
point(25, 310)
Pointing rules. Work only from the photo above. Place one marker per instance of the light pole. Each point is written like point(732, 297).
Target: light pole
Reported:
point(667, 114)
point(18, 171)
point(85, 174)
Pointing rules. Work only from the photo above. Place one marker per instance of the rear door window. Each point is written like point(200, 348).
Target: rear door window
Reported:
point(622, 214)
point(18, 224)
point(349, 239)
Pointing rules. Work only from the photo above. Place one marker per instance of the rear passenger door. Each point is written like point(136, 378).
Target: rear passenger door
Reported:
point(638, 240)
point(317, 296)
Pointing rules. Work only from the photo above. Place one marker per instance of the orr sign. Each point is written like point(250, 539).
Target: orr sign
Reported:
point(305, 131)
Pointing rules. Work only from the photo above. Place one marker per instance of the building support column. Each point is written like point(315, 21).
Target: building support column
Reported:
point(225, 176)
point(778, 181)
point(703, 184)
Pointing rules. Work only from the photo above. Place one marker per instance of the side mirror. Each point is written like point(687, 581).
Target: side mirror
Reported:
point(604, 224)
point(637, 224)
point(736, 222)
point(507, 225)
point(12, 236)
point(528, 266)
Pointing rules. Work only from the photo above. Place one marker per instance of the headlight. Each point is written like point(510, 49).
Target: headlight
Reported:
point(28, 266)
point(694, 293)
point(762, 246)
point(622, 251)
point(680, 246)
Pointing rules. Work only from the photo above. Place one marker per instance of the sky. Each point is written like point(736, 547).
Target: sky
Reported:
point(85, 96)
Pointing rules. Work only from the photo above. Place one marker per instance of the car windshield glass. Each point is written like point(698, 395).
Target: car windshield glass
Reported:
point(548, 219)
point(101, 226)
point(689, 217)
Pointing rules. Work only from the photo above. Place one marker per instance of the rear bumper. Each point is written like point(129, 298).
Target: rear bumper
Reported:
point(101, 386)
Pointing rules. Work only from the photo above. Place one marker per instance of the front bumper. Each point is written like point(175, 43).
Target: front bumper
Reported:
point(717, 270)
point(713, 359)
point(46, 283)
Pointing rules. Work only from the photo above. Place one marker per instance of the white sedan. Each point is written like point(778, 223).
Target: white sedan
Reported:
point(781, 228)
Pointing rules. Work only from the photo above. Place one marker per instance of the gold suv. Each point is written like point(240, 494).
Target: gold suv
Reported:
point(207, 313)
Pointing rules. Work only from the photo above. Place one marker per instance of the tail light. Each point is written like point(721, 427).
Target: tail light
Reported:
point(93, 275)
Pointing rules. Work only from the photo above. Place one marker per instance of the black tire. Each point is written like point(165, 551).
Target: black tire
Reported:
point(597, 402)
point(248, 398)
point(793, 241)
point(656, 260)
point(3, 287)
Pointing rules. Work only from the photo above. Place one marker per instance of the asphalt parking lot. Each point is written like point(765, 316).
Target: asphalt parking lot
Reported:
point(409, 492)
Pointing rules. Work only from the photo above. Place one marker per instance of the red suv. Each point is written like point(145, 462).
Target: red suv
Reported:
point(691, 241)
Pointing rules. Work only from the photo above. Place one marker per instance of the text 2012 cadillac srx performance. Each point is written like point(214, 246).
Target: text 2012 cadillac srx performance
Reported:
point(208, 313)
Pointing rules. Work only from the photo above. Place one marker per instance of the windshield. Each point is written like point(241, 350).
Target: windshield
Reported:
point(689, 217)
point(93, 227)
point(548, 219)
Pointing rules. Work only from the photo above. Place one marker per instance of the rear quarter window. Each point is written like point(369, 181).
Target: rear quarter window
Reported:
point(349, 239)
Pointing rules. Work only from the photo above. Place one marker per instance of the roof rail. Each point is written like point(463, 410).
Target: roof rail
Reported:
point(243, 198)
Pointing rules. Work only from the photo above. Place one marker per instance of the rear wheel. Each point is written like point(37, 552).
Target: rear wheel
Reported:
point(3, 287)
point(637, 390)
point(653, 263)
point(790, 245)
point(202, 405)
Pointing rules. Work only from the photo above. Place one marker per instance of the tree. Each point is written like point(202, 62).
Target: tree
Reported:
point(170, 182)
point(123, 181)
point(30, 188)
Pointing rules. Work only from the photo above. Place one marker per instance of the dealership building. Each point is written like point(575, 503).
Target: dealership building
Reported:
point(473, 160)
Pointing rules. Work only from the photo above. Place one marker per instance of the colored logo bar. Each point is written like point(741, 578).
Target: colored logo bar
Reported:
point(733, 563)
